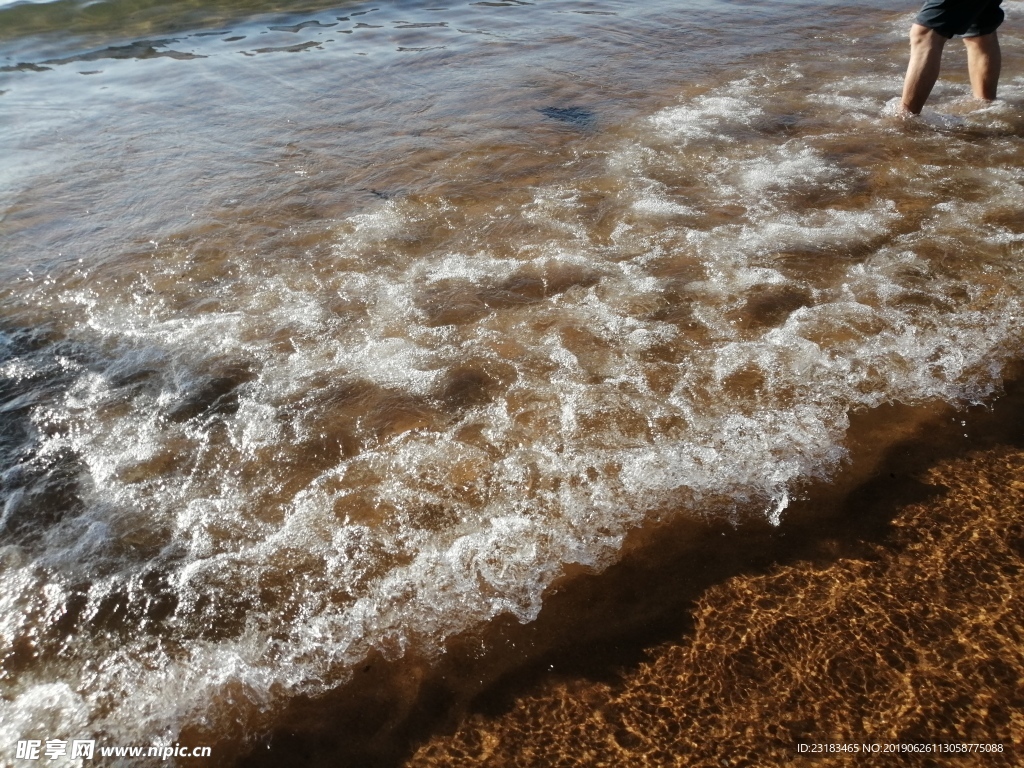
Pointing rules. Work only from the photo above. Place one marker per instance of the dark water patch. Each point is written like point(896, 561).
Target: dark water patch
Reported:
point(456, 302)
point(300, 26)
point(25, 67)
point(213, 396)
point(380, 194)
point(769, 306)
point(355, 415)
point(39, 491)
point(141, 49)
point(475, 383)
point(577, 117)
point(38, 486)
point(210, 611)
point(298, 47)
point(143, 602)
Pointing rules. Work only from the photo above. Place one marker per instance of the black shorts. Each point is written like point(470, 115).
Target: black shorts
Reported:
point(969, 18)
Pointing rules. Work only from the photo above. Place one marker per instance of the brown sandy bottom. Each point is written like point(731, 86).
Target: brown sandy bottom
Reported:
point(920, 639)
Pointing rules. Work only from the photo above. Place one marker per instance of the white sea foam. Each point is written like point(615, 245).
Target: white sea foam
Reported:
point(714, 117)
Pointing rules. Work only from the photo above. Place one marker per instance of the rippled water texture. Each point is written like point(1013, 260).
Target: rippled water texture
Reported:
point(340, 332)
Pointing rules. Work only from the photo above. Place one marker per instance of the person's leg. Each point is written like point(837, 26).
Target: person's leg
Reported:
point(922, 72)
point(983, 64)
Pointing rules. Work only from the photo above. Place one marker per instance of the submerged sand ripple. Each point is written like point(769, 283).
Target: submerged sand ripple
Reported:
point(923, 641)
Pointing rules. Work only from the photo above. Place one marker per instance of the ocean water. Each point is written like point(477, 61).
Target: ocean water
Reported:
point(330, 332)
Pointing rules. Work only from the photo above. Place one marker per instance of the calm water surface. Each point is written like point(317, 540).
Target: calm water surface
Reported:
point(332, 331)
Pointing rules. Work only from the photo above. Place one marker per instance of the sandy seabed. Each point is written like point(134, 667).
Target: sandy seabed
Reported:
point(916, 640)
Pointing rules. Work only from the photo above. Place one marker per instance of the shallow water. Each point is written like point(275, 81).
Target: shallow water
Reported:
point(916, 641)
point(338, 332)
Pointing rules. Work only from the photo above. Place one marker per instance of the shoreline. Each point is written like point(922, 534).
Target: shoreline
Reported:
point(915, 639)
point(597, 630)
